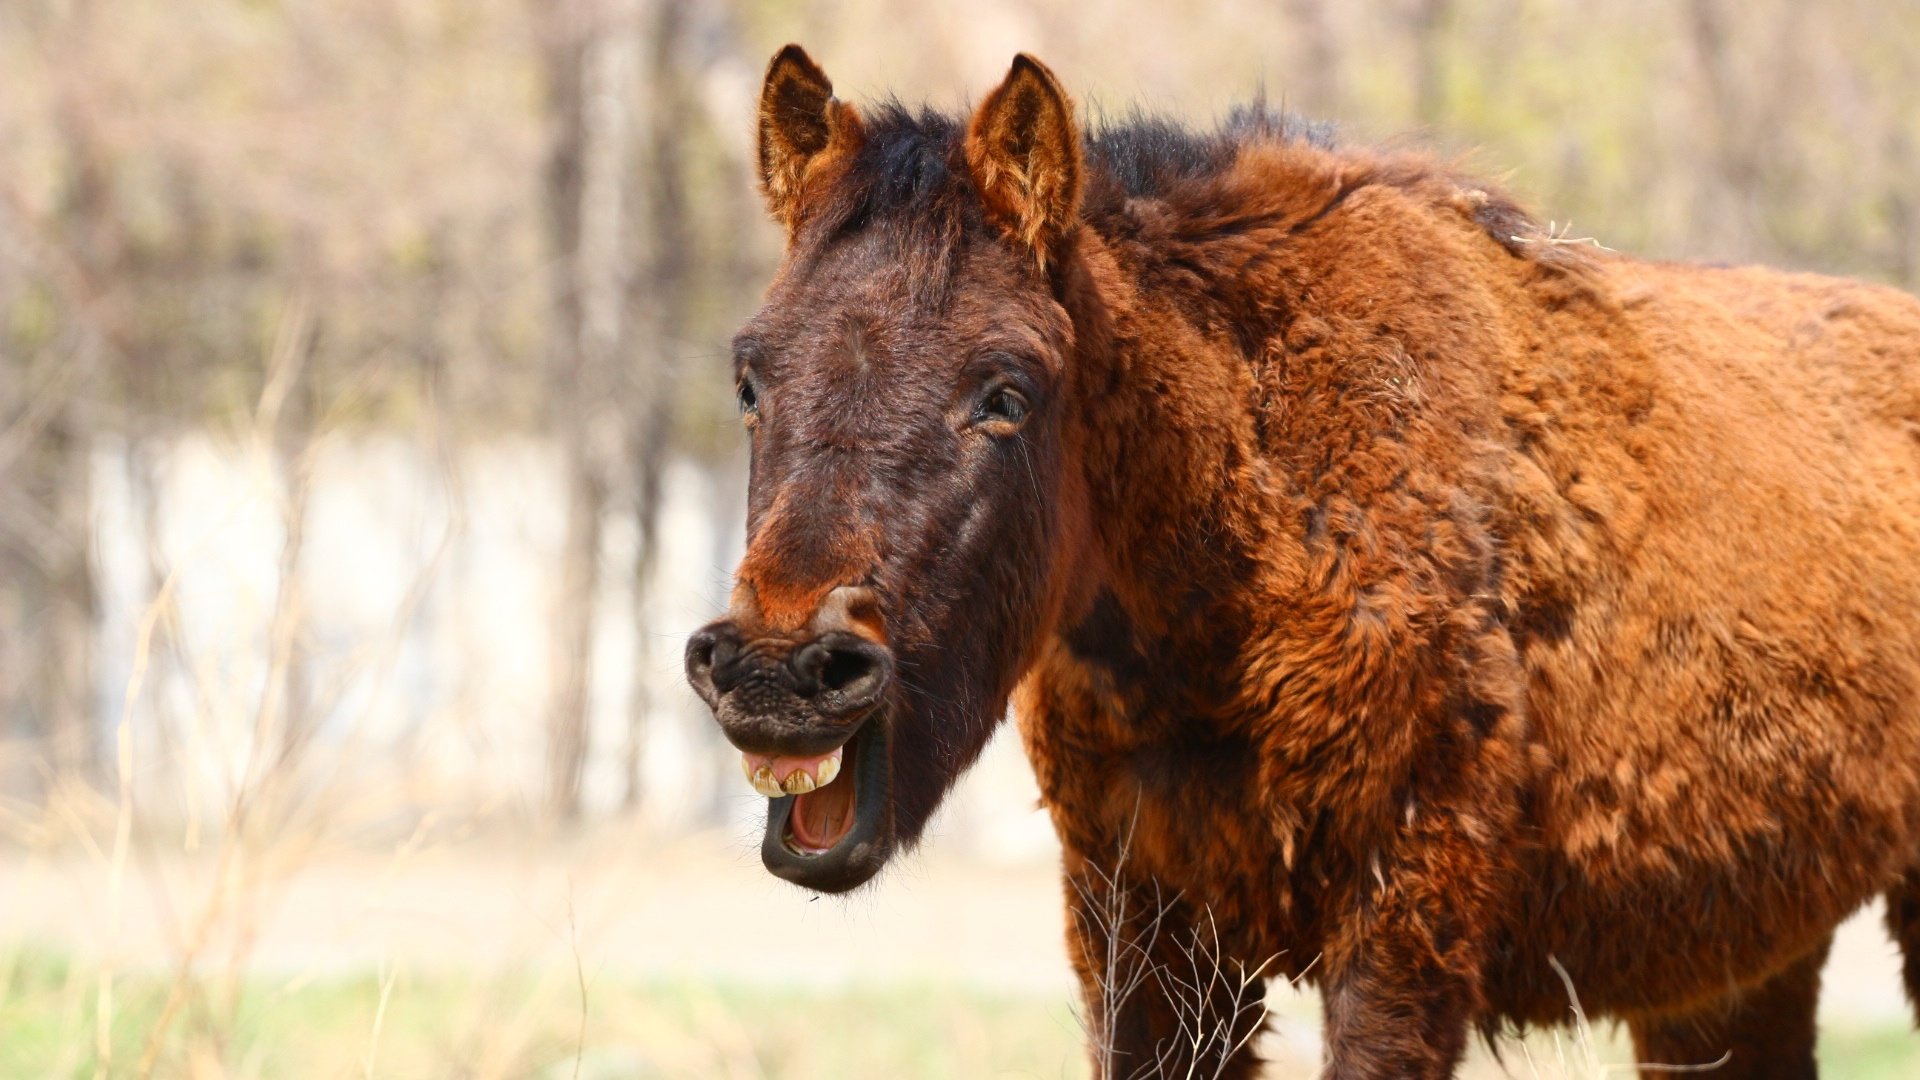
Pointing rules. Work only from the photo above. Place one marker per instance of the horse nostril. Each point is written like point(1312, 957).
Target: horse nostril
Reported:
point(708, 649)
point(842, 672)
point(809, 664)
point(855, 677)
point(843, 668)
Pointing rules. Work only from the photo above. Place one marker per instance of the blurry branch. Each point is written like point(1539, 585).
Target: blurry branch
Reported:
point(1220, 1011)
point(124, 808)
point(1153, 955)
point(283, 807)
point(285, 425)
point(233, 877)
point(1589, 1063)
point(379, 1021)
point(580, 981)
point(1120, 940)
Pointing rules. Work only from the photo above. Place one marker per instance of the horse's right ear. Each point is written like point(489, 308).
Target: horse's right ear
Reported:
point(802, 128)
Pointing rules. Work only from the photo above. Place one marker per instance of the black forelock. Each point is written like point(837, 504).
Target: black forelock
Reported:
point(911, 157)
point(910, 177)
point(910, 169)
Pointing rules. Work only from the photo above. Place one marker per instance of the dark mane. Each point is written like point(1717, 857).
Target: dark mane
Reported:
point(911, 164)
point(1146, 155)
point(911, 173)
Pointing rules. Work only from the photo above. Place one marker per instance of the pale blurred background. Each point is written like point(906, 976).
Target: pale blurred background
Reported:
point(367, 451)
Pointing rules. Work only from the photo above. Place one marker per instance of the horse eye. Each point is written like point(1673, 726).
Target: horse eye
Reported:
point(1003, 406)
point(749, 401)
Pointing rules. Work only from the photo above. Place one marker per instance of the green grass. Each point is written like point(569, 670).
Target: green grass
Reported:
point(531, 1024)
point(1889, 1053)
point(525, 1025)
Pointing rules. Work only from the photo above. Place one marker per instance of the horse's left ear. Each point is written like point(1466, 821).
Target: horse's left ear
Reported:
point(1024, 153)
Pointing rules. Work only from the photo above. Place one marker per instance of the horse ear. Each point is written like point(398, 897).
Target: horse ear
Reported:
point(1024, 153)
point(802, 125)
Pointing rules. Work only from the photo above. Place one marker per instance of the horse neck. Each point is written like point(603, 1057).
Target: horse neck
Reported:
point(1177, 516)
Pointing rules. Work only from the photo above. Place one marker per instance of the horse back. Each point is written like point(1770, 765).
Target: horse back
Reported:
point(1716, 587)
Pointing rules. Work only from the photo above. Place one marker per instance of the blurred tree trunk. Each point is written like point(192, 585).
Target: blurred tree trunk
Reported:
point(718, 80)
point(1428, 20)
point(653, 300)
point(49, 568)
point(53, 535)
point(1721, 207)
point(588, 58)
point(686, 39)
point(1903, 211)
point(47, 590)
point(1313, 87)
point(1741, 121)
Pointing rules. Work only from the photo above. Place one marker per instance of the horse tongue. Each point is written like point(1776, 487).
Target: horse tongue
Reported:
point(821, 819)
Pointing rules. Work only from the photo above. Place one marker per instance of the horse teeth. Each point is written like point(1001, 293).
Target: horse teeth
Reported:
point(765, 784)
point(801, 775)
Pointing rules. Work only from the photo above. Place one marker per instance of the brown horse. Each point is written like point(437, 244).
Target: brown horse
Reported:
point(1388, 592)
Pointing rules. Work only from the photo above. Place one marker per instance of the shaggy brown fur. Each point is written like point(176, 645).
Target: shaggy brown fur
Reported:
point(1410, 600)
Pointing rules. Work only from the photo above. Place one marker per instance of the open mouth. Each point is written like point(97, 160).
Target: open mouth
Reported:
point(829, 823)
